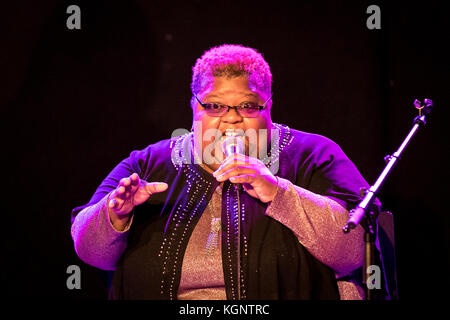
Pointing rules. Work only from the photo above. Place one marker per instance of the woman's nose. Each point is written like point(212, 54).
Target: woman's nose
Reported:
point(232, 116)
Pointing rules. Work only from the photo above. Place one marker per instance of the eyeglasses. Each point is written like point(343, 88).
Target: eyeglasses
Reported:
point(246, 109)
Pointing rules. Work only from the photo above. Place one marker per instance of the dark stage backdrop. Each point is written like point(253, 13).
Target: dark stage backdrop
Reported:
point(79, 101)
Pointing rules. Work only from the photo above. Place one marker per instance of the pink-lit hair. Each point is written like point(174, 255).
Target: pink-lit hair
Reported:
point(231, 60)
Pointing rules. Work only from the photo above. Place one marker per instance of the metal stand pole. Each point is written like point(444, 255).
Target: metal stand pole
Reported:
point(363, 210)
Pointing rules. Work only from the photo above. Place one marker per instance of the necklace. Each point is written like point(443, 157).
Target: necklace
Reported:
point(213, 238)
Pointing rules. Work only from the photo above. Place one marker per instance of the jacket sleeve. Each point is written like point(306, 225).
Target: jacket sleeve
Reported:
point(317, 222)
point(95, 239)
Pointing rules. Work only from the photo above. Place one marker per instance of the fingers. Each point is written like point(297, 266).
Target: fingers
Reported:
point(124, 191)
point(135, 179)
point(246, 178)
point(237, 165)
point(132, 191)
point(112, 203)
point(117, 198)
point(238, 158)
point(237, 171)
point(115, 203)
point(155, 187)
point(127, 186)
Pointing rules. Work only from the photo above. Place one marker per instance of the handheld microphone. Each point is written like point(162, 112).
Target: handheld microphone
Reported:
point(233, 144)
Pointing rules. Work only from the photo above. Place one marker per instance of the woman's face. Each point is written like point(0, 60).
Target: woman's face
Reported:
point(209, 131)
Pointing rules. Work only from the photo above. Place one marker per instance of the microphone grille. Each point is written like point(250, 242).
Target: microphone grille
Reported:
point(233, 144)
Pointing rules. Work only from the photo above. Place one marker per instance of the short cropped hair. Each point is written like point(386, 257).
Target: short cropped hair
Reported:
point(231, 60)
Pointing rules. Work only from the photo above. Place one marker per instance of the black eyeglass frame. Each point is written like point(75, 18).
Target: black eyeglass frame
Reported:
point(237, 108)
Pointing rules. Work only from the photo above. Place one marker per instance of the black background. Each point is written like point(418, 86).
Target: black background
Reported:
point(76, 102)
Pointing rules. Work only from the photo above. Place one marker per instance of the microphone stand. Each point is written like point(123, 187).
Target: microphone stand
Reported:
point(365, 208)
